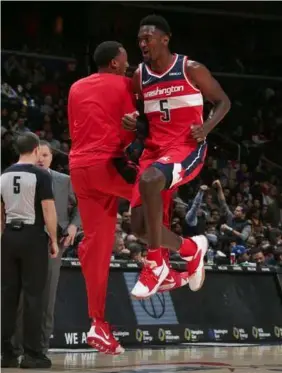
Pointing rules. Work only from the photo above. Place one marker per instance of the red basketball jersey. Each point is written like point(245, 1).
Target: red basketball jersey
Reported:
point(172, 104)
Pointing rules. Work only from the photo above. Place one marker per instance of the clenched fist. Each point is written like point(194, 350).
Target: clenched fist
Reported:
point(198, 133)
point(129, 121)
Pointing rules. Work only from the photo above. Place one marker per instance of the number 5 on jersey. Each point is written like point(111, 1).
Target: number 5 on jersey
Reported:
point(164, 109)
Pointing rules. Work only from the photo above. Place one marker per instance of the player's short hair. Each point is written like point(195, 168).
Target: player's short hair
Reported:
point(27, 142)
point(106, 52)
point(158, 21)
point(46, 143)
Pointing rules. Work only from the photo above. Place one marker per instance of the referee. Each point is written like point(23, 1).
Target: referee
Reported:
point(27, 205)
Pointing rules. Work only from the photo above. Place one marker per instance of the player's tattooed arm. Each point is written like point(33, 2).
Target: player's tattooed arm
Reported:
point(201, 77)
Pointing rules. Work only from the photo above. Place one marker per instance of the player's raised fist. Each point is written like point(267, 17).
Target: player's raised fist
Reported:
point(129, 121)
point(198, 133)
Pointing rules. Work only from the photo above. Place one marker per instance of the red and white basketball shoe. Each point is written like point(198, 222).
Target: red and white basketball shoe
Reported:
point(174, 280)
point(150, 279)
point(195, 264)
point(101, 338)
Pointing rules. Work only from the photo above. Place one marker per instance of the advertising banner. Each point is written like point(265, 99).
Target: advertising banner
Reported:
point(231, 307)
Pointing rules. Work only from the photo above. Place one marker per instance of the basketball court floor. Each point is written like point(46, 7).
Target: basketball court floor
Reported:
point(206, 359)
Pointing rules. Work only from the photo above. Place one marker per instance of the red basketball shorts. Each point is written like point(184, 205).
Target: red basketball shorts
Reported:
point(179, 165)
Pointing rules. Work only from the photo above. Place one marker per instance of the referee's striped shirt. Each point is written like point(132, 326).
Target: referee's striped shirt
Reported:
point(23, 187)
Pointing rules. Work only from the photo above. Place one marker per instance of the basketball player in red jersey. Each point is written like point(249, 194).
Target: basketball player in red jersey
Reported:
point(172, 88)
point(96, 105)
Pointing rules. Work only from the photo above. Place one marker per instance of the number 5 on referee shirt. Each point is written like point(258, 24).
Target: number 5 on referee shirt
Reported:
point(16, 184)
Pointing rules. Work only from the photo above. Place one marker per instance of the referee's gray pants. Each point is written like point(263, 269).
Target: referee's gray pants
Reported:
point(49, 300)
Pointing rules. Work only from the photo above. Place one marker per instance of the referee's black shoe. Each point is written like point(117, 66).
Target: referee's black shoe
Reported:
point(9, 361)
point(39, 361)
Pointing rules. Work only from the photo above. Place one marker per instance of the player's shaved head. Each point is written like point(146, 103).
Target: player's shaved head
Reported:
point(106, 52)
point(158, 21)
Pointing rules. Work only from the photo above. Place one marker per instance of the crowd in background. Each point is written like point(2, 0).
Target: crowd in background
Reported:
point(236, 201)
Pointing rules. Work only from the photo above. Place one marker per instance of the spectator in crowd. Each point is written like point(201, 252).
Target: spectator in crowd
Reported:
point(251, 242)
point(20, 126)
point(242, 174)
point(256, 222)
point(177, 228)
point(273, 211)
point(135, 251)
point(237, 227)
point(257, 256)
point(53, 142)
point(126, 222)
point(196, 216)
point(8, 153)
point(120, 251)
point(130, 238)
point(242, 254)
point(278, 257)
point(229, 171)
point(47, 108)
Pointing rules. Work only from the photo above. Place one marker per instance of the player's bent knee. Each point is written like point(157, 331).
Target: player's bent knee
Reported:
point(152, 179)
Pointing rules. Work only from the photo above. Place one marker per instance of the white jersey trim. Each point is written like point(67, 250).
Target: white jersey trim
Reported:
point(185, 60)
point(177, 167)
point(150, 72)
point(178, 102)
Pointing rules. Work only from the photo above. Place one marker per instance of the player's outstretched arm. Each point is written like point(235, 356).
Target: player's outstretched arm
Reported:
point(201, 77)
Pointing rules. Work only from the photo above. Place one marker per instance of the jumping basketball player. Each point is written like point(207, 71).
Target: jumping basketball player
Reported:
point(96, 106)
point(172, 87)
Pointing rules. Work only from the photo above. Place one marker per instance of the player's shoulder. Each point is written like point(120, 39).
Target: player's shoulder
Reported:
point(80, 84)
point(21, 167)
point(115, 80)
point(74, 87)
point(196, 71)
point(193, 65)
point(121, 79)
point(7, 170)
point(28, 171)
point(128, 82)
